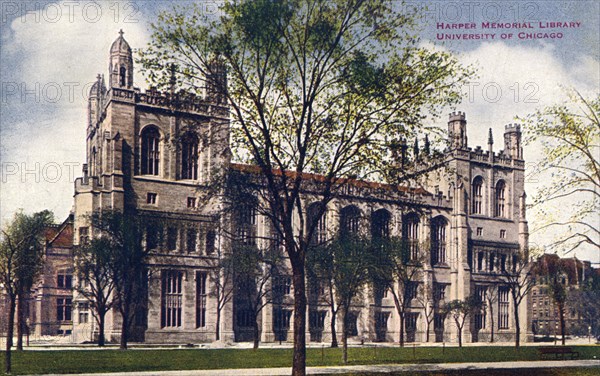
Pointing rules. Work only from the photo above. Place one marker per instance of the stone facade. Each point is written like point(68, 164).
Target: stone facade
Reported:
point(48, 310)
point(157, 152)
point(542, 309)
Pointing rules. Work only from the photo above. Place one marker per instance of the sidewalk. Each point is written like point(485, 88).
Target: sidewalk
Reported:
point(383, 369)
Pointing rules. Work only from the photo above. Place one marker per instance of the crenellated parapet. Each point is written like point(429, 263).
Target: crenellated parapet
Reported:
point(181, 101)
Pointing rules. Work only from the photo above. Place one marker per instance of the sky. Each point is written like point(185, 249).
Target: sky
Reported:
point(51, 52)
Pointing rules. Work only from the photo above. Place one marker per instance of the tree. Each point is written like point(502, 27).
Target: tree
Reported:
point(429, 305)
point(94, 266)
point(459, 310)
point(491, 298)
point(586, 302)
point(520, 280)
point(320, 273)
point(399, 265)
point(21, 259)
point(130, 237)
point(350, 266)
point(222, 278)
point(314, 86)
point(254, 271)
point(570, 135)
point(556, 272)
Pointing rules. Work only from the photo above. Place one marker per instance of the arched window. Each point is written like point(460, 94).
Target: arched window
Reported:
point(500, 199)
point(380, 224)
point(123, 76)
point(410, 235)
point(349, 221)
point(189, 157)
point(477, 196)
point(150, 151)
point(439, 226)
point(319, 235)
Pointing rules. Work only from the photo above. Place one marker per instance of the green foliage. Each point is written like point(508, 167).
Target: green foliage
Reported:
point(570, 136)
point(122, 244)
point(22, 248)
point(94, 265)
point(315, 86)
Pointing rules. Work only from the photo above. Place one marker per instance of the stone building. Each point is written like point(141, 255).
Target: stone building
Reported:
point(543, 310)
point(155, 152)
point(48, 310)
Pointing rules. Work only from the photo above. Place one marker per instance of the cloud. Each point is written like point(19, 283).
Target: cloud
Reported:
point(53, 54)
point(515, 81)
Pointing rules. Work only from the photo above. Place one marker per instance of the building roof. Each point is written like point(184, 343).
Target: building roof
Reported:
point(120, 45)
point(61, 235)
point(253, 169)
point(571, 266)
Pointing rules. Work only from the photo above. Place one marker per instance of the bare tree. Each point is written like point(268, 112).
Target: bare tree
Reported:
point(428, 304)
point(491, 298)
point(520, 279)
point(399, 263)
point(222, 278)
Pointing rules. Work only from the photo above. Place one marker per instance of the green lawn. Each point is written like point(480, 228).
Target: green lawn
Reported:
point(78, 361)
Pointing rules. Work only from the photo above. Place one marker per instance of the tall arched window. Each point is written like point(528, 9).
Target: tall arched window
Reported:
point(246, 221)
point(410, 235)
point(439, 226)
point(189, 157)
point(380, 224)
point(500, 199)
point(150, 151)
point(123, 76)
point(477, 196)
point(319, 235)
point(349, 221)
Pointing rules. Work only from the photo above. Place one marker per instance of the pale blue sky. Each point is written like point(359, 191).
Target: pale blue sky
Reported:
point(50, 52)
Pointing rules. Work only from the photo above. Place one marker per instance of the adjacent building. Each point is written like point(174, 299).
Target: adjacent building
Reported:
point(49, 306)
point(543, 310)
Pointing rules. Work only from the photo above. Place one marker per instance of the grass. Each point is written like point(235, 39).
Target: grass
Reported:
point(80, 361)
point(563, 371)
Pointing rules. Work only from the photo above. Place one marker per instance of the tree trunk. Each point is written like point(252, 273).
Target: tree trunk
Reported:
point(255, 332)
point(334, 341)
point(101, 324)
point(218, 326)
point(427, 325)
point(459, 333)
point(345, 336)
point(402, 329)
point(299, 358)
point(20, 320)
point(124, 328)
point(517, 325)
point(492, 323)
point(9, 334)
point(561, 315)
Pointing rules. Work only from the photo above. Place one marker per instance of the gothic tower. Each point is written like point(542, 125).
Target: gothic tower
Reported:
point(457, 130)
point(121, 64)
